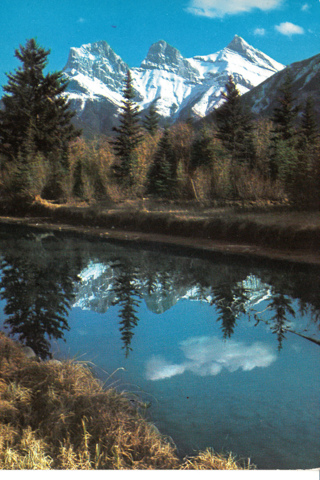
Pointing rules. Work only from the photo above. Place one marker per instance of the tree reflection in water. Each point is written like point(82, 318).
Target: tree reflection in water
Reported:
point(40, 279)
point(229, 301)
point(38, 291)
point(128, 295)
point(233, 290)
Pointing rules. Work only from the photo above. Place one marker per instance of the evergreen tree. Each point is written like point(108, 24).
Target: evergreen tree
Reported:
point(305, 189)
point(308, 131)
point(285, 113)
point(162, 176)
point(202, 154)
point(283, 141)
point(128, 135)
point(27, 173)
point(235, 127)
point(78, 187)
point(35, 101)
point(151, 122)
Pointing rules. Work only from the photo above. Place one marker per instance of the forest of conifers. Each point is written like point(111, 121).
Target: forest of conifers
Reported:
point(232, 156)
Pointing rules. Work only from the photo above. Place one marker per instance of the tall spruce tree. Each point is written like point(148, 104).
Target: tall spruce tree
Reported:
point(162, 176)
point(202, 154)
point(235, 126)
point(35, 124)
point(151, 122)
point(78, 186)
point(304, 190)
point(285, 113)
point(283, 155)
point(34, 106)
point(308, 131)
point(128, 135)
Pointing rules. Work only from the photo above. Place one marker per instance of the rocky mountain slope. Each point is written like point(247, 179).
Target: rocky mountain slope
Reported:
point(305, 82)
point(179, 87)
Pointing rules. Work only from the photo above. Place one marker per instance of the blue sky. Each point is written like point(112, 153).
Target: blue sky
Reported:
point(287, 30)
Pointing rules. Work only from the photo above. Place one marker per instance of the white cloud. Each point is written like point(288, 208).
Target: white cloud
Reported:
point(209, 355)
point(305, 7)
point(287, 28)
point(260, 32)
point(218, 8)
point(81, 20)
point(158, 368)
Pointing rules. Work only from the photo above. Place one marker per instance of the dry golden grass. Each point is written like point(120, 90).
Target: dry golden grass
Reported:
point(58, 416)
point(22, 451)
point(208, 460)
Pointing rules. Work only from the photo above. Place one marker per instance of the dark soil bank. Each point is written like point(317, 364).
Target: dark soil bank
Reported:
point(272, 233)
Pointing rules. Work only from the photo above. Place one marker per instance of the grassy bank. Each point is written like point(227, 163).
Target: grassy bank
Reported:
point(56, 415)
point(266, 226)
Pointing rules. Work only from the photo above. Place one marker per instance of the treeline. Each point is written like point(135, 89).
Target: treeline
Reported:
point(231, 157)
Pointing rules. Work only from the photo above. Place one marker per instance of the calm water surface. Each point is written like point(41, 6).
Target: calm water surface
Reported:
point(224, 353)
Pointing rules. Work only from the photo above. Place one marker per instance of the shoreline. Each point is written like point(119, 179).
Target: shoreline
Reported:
point(43, 401)
point(196, 244)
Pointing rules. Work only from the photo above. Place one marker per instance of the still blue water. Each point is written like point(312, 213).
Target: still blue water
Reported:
point(213, 345)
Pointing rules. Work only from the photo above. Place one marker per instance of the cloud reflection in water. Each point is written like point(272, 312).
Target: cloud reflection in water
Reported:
point(209, 355)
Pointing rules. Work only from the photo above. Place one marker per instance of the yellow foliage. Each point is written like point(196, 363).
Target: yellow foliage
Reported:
point(144, 156)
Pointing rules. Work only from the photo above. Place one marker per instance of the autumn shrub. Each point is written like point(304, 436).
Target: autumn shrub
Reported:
point(99, 168)
point(251, 185)
point(144, 154)
point(262, 134)
point(302, 182)
point(181, 139)
point(90, 169)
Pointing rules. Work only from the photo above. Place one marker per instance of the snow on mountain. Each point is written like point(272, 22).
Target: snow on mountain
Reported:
point(96, 75)
point(248, 66)
point(180, 87)
point(96, 63)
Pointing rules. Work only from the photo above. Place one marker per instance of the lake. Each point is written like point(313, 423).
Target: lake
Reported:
point(217, 351)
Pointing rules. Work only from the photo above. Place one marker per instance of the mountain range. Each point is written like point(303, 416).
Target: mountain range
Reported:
point(179, 87)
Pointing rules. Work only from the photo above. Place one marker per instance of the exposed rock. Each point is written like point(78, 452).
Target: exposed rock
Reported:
point(29, 353)
point(54, 362)
point(305, 83)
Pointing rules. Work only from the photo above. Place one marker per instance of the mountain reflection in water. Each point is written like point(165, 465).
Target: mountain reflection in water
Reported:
point(43, 276)
point(226, 351)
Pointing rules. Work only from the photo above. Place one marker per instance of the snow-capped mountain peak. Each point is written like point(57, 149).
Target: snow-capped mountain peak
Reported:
point(182, 87)
point(241, 47)
point(162, 56)
point(99, 62)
